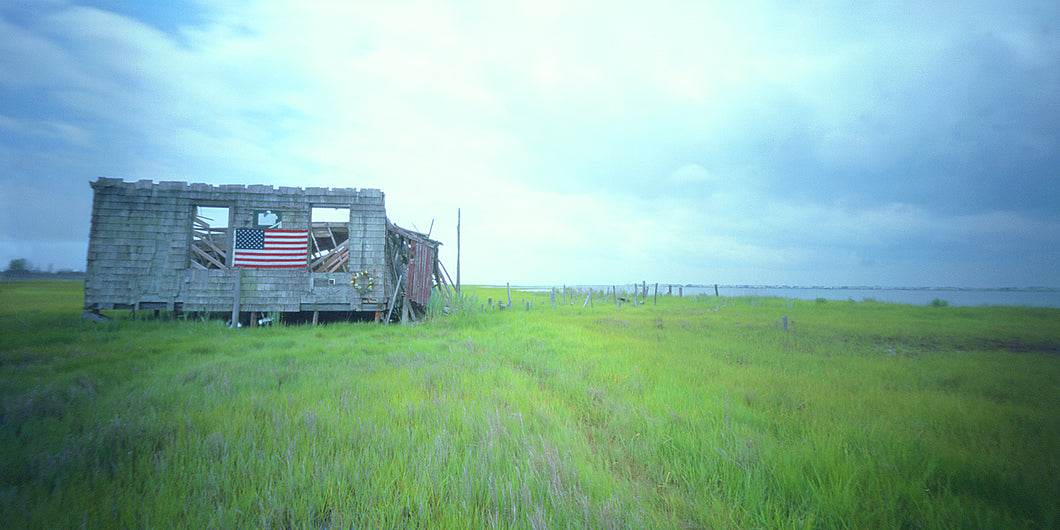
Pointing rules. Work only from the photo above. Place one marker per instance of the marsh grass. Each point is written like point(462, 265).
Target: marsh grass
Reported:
point(695, 412)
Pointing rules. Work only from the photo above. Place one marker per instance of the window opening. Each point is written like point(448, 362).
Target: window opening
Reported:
point(330, 240)
point(209, 241)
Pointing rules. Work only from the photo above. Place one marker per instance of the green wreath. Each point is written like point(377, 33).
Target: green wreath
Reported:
point(363, 282)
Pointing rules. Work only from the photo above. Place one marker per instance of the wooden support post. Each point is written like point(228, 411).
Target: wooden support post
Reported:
point(636, 293)
point(715, 289)
point(564, 295)
point(618, 302)
point(680, 292)
point(253, 319)
point(393, 299)
point(670, 289)
point(442, 268)
point(236, 295)
point(656, 294)
point(509, 294)
point(406, 309)
point(643, 289)
point(443, 289)
point(405, 305)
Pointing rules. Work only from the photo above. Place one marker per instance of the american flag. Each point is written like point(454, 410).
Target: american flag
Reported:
point(270, 249)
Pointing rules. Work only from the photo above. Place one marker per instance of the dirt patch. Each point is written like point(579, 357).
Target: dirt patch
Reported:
point(1013, 345)
point(928, 344)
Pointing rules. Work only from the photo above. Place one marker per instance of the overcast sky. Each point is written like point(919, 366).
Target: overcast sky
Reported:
point(752, 142)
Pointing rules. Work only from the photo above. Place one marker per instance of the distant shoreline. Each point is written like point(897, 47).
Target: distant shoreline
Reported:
point(882, 288)
point(1033, 289)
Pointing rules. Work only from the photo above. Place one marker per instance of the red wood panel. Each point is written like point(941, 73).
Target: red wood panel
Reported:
point(421, 269)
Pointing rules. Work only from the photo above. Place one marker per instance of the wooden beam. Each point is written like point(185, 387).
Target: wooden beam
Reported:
point(441, 281)
point(336, 260)
point(405, 304)
point(443, 289)
point(94, 316)
point(314, 250)
point(208, 257)
point(213, 247)
point(393, 299)
point(450, 278)
point(335, 244)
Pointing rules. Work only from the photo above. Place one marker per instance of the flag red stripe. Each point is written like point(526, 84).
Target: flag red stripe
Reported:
point(283, 249)
point(298, 266)
point(267, 255)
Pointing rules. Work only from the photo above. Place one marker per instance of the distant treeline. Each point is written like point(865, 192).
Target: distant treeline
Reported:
point(42, 275)
point(23, 269)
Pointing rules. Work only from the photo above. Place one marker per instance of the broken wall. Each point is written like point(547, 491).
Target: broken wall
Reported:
point(139, 253)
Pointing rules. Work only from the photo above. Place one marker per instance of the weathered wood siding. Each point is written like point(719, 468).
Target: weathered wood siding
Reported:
point(421, 269)
point(139, 244)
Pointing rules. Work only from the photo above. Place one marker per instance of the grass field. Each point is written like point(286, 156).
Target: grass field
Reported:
point(695, 412)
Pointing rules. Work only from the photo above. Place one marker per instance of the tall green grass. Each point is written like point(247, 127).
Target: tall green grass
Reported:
point(693, 412)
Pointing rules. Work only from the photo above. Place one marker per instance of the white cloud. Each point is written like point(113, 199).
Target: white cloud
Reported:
point(57, 131)
point(595, 139)
point(690, 173)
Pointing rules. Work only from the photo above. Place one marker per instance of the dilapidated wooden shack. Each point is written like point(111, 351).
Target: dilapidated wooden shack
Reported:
point(184, 247)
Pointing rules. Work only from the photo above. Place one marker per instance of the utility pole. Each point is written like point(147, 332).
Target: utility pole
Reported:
point(458, 252)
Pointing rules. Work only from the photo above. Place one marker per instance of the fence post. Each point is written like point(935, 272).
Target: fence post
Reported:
point(509, 294)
